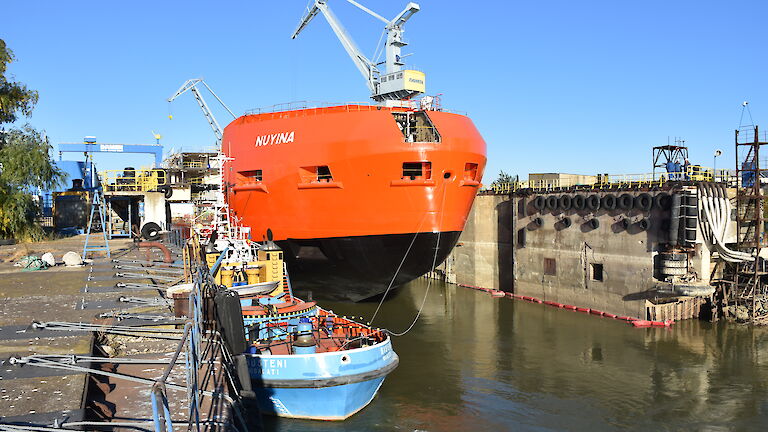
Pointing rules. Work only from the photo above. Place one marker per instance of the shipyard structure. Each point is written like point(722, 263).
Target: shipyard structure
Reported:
point(685, 242)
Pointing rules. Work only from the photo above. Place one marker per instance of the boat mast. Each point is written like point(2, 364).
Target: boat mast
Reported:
point(395, 83)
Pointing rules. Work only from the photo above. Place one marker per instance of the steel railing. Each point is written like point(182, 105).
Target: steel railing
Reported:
point(314, 107)
point(617, 181)
point(132, 180)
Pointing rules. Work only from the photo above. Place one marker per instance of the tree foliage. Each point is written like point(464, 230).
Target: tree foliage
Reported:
point(15, 98)
point(504, 178)
point(25, 166)
point(25, 159)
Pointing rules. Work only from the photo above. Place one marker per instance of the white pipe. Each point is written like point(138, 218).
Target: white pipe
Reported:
point(716, 211)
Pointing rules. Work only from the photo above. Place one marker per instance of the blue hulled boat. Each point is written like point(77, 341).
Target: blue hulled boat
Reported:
point(324, 372)
point(299, 360)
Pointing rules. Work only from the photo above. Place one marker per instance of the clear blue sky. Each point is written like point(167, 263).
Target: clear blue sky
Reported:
point(565, 86)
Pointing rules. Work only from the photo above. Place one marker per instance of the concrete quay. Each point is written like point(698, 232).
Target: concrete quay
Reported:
point(135, 328)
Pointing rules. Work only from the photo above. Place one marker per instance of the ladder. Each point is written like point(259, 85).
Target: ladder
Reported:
point(96, 206)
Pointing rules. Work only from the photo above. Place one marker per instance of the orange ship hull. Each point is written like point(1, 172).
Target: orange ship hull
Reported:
point(344, 185)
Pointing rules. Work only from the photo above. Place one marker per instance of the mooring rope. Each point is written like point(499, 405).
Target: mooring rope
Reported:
point(429, 281)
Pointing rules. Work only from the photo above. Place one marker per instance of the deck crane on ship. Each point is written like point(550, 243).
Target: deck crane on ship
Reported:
point(395, 83)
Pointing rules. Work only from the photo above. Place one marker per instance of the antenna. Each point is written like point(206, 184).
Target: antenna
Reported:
point(745, 107)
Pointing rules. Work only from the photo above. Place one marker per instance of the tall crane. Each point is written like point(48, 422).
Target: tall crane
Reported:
point(394, 83)
point(191, 85)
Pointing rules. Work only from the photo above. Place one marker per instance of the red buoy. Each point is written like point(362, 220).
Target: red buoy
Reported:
point(642, 323)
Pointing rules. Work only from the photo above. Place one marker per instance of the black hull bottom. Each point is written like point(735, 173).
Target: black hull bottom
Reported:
point(357, 268)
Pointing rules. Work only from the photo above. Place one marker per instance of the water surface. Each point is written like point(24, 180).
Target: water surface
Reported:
point(476, 363)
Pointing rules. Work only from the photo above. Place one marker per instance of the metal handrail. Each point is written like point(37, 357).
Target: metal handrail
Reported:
point(141, 180)
point(314, 107)
point(613, 181)
point(158, 395)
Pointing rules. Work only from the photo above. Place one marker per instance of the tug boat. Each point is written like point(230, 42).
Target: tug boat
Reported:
point(297, 360)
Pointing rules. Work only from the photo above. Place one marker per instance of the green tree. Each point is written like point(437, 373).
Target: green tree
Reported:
point(25, 159)
point(504, 178)
point(15, 98)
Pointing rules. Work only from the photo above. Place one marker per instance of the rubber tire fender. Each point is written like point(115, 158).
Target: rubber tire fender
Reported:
point(643, 202)
point(579, 203)
point(539, 202)
point(663, 201)
point(150, 231)
point(593, 202)
point(624, 223)
point(608, 202)
point(643, 224)
point(167, 191)
point(229, 315)
point(535, 224)
point(566, 221)
point(551, 202)
point(625, 202)
point(674, 264)
point(674, 271)
point(593, 223)
point(565, 203)
point(674, 256)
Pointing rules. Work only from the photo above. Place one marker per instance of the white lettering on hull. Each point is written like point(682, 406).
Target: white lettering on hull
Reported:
point(275, 138)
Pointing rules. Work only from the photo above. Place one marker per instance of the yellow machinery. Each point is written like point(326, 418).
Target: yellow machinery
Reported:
point(268, 267)
point(129, 180)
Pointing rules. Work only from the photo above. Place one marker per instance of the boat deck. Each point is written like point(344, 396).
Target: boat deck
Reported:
point(324, 342)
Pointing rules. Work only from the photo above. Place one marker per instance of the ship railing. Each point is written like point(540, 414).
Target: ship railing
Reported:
point(142, 180)
point(621, 181)
point(317, 107)
point(340, 329)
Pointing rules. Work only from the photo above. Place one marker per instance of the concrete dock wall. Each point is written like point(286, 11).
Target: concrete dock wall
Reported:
point(508, 244)
point(483, 255)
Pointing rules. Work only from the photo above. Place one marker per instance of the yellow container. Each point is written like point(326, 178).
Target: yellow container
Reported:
point(252, 272)
point(210, 259)
point(226, 277)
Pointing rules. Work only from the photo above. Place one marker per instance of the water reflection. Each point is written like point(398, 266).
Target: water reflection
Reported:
point(478, 363)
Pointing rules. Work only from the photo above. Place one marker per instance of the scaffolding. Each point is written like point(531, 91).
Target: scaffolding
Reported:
point(750, 278)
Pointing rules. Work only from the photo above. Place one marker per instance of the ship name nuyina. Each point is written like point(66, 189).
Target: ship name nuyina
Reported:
point(275, 138)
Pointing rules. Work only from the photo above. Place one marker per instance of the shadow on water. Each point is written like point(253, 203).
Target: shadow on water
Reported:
point(478, 363)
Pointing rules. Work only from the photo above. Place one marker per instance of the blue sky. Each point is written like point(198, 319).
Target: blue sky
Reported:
point(553, 86)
